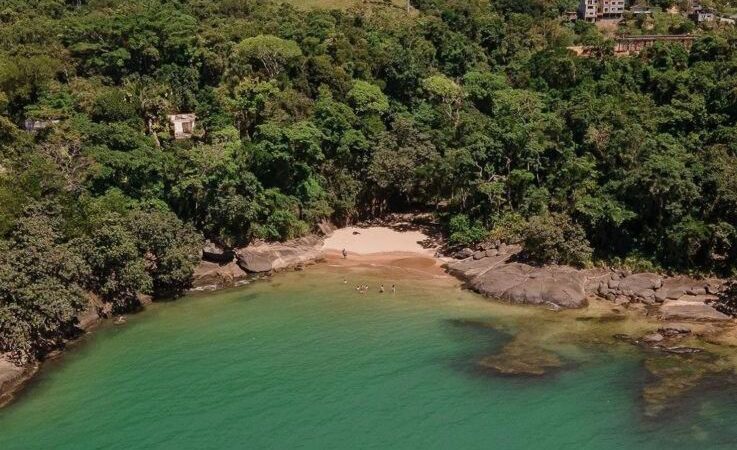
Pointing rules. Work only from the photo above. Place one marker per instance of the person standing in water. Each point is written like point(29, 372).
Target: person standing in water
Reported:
point(345, 254)
point(381, 289)
point(394, 288)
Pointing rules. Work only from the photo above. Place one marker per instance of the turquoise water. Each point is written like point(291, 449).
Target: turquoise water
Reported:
point(304, 361)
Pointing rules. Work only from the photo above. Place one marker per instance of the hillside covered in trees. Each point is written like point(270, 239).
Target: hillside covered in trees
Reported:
point(471, 108)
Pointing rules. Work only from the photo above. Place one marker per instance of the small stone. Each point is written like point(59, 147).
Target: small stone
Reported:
point(478, 255)
point(465, 253)
point(697, 291)
point(674, 330)
point(683, 350)
point(653, 338)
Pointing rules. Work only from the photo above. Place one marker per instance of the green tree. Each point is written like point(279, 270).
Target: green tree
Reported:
point(270, 52)
point(555, 238)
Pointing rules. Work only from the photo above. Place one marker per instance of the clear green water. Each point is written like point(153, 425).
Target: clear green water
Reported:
point(304, 361)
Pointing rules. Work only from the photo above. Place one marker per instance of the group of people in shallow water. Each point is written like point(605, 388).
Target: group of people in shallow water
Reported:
point(363, 288)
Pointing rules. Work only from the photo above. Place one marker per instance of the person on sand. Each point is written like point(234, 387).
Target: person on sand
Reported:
point(345, 254)
point(381, 289)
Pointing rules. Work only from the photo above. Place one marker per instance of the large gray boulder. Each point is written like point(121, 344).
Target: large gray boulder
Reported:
point(209, 274)
point(216, 253)
point(561, 286)
point(691, 307)
point(268, 257)
point(640, 284)
point(676, 287)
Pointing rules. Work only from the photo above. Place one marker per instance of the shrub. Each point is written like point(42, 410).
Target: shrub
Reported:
point(555, 238)
point(727, 301)
point(509, 228)
point(463, 232)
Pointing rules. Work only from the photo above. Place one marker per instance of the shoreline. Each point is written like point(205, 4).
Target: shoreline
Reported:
point(409, 253)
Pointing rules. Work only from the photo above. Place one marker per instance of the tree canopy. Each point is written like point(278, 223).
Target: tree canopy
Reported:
point(473, 109)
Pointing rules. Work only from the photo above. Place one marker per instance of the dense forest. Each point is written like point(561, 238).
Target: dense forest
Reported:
point(474, 109)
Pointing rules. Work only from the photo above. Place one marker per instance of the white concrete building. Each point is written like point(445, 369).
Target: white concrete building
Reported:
point(182, 125)
point(593, 10)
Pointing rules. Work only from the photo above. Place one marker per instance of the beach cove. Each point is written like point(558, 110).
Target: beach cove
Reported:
point(302, 359)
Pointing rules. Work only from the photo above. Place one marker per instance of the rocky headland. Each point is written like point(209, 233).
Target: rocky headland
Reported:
point(496, 272)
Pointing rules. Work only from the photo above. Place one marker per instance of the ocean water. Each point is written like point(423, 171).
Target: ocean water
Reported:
point(304, 361)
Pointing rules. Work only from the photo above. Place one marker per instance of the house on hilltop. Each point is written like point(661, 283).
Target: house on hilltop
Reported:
point(182, 125)
point(593, 10)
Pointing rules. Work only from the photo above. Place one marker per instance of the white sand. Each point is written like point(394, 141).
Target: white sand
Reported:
point(377, 240)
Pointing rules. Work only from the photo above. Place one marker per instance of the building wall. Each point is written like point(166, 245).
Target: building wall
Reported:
point(592, 10)
point(588, 9)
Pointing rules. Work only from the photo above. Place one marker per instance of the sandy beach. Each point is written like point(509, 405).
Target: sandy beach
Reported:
point(372, 240)
point(400, 253)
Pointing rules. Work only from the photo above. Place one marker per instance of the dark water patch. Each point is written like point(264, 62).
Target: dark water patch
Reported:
point(606, 318)
point(669, 378)
point(701, 414)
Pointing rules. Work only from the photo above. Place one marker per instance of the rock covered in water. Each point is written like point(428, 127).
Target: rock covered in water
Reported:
point(653, 338)
point(521, 360)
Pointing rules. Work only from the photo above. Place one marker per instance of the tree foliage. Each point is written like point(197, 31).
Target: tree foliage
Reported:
point(472, 108)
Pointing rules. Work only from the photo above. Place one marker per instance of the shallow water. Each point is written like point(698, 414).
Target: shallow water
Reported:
point(305, 361)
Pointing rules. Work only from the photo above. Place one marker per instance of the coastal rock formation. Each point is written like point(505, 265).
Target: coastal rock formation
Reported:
point(210, 274)
point(561, 286)
point(267, 257)
point(495, 276)
point(492, 271)
point(217, 254)
point(691, 307)
point(12, 378)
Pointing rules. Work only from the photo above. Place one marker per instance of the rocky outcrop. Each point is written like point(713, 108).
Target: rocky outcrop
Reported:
point(691, 307)
point(223, 268)
point(560, 286)
point(212, 252)
point(12, 378)
point(210, 275)
point(495, 276)
point(492, 271)
point(268, 257)
point(671, 297)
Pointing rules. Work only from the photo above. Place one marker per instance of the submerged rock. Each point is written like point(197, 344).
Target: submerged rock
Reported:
point(520, 359)
point(653, 338)
point(673, 375)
